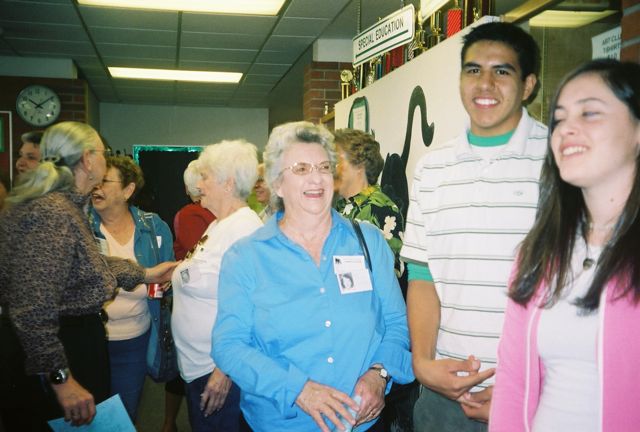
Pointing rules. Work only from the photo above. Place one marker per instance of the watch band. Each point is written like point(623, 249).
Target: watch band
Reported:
point(382, 372)
point(59, 376)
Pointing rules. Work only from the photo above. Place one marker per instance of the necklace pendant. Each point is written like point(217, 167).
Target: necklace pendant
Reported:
point(587, 263)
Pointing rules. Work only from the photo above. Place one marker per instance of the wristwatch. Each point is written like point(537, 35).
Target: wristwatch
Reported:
point(59, 376)
point(384, 374)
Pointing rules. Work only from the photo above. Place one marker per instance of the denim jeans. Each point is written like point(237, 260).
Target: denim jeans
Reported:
point(435, 413)
point(128, 359)
point(224, 420)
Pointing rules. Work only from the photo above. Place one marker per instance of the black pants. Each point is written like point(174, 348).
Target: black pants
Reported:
point(27, 401)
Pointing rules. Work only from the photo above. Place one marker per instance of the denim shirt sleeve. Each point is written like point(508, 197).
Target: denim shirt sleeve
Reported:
point(393, 351)
point(233, 339)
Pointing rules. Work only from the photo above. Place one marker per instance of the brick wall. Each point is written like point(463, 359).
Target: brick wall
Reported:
point(321, 84)
point(630, 50)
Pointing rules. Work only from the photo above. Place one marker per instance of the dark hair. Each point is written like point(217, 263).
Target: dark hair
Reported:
point(545, 255)
point(361, 148)
point(129, 173)
point(509, 34)
point(33, 137)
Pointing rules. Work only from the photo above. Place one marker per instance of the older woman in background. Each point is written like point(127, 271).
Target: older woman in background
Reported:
point(54, 281)
point(569, 349)
point(192, 219)
point(303, 348)
point(29, 153)
point(127, 232)
point(189, 224)
point(228, 172)
point(361, 198)
point(263, 195)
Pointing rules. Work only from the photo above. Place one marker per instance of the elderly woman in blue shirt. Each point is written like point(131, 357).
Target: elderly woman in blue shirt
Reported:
point(306, 351)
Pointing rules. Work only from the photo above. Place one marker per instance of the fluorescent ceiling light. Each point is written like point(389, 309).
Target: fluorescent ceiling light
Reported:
point(567, 19)
point(429, 7)
point(175, 75)
point(236, 7)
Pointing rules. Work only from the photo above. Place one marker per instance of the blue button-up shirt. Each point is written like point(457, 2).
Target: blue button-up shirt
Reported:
point(282, 321)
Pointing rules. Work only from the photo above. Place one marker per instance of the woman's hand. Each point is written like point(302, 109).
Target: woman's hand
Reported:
point(76, 402)
point(371, 389)
point(318, 399)
point(215, 392)
point(160, 273)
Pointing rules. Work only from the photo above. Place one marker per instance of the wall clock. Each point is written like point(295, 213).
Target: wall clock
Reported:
point(38, 105)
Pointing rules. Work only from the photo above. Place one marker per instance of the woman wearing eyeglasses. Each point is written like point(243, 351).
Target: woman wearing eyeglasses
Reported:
point(228, 171)
point(127, 232)
point(53, 283)
point(303, 349)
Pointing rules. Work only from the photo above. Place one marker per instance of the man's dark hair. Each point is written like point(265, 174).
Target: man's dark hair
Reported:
point(33, 137)
point(511, 35)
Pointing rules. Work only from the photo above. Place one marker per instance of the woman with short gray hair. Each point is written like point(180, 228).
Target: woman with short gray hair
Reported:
point(308, 352)
point(228, 171)
point(192, 219)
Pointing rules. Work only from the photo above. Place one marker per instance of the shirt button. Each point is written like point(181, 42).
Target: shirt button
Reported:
point(324, 257)
point(322, 290)
point(327, 323)
point(330, 360)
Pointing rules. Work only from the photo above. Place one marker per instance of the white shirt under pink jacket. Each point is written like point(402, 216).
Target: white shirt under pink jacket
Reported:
point(520, 372)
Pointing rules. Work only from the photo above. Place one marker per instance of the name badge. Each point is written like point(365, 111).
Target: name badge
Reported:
point(352, 274)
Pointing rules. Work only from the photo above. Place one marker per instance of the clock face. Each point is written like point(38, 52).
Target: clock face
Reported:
point(38, 105)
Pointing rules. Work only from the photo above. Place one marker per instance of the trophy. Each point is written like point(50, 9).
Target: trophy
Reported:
point(346, 78)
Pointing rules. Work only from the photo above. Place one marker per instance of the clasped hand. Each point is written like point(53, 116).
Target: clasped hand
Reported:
point(319, 400)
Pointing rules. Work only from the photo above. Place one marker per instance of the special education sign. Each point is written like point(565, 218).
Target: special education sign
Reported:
point(394, 30)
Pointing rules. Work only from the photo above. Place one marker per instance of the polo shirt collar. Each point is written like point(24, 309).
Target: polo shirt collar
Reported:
point(515, 146)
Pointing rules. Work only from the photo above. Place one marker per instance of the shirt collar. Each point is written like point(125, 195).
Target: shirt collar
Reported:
point(515, 146)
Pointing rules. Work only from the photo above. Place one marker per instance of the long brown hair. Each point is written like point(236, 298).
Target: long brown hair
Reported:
point(545, 253)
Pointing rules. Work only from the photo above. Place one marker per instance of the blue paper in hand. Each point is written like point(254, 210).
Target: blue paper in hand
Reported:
point(111, 416)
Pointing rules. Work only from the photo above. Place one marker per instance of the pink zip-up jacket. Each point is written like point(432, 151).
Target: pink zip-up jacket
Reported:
point(520, 372)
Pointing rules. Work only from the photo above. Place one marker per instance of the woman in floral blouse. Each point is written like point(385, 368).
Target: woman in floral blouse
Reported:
point(360, 197)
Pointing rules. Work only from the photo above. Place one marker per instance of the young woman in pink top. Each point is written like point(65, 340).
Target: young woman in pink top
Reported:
point(569, 349)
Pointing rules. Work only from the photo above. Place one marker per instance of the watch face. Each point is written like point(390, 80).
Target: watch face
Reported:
point(38, 105)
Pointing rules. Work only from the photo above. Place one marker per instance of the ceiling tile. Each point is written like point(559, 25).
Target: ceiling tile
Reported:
point(38, 12)
point(129, 18)
point(262, 79)
point(278, 57)
point(210, 23)
point(117, 61)
point(50, 48)
point(220, 55)
point(221, 40)
point(213, 65)
point(301, 27)
point(315, 8)
point(288, 43)
point(44, 31)
point(267, 69)
point(137, 51)
point(134, 36)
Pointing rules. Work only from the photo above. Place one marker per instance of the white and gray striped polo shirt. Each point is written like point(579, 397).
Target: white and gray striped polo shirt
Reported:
point(467, 215)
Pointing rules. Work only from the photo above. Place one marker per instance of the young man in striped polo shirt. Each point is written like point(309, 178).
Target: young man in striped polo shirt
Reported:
point(473, 199)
